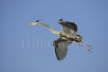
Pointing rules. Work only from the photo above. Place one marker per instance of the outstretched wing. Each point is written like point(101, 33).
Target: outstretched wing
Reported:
point(60, 48)
point(68, 27)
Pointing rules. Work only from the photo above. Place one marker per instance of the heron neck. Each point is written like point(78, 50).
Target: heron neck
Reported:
point(51, 29)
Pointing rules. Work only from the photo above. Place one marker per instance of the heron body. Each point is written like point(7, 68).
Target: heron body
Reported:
point(68, 35)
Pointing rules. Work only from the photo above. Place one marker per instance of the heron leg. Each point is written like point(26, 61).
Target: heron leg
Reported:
point(86, 46)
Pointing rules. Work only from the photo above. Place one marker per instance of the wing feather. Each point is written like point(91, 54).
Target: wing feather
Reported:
point(68, 27)
point(61, 48)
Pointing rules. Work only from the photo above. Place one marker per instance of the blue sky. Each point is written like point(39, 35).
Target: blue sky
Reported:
point(29, 49)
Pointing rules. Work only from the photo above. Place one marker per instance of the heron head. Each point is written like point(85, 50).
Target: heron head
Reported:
point(78, 38)
point(34, 23)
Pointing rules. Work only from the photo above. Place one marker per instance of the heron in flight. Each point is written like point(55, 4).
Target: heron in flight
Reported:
point(66, 37)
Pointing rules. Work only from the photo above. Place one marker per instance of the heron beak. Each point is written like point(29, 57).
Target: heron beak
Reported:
point(33, 23)
point(29, 24)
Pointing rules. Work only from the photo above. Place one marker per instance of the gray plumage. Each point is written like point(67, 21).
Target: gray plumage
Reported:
point(61, 48)
point(61, 44)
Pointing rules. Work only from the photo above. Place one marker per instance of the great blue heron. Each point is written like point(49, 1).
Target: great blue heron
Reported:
point(66, 37)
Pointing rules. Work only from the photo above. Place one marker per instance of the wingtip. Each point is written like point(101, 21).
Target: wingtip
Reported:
point(60, 59)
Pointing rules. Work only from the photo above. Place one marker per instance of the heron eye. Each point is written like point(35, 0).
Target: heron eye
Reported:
point(60, 19)
point(37, 20)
